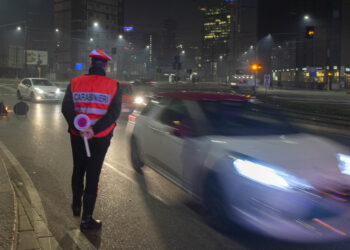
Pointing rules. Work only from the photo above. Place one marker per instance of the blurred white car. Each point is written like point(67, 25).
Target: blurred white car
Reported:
point(246, 163)
point(38, 89)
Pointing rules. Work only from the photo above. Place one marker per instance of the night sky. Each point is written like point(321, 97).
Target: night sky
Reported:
point(148, 15)
point(145, 15)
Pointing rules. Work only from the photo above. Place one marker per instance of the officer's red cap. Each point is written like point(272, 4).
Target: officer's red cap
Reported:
point(96, 53)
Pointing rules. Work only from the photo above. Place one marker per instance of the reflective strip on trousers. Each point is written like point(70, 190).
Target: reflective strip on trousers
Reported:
point(91, 110)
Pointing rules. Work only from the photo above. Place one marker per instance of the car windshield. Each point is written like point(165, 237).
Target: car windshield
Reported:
point(126, 89)
point(244, 119)
point(41, 82)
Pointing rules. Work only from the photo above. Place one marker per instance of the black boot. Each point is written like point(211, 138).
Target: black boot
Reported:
point(76, 204)
point(87, 222)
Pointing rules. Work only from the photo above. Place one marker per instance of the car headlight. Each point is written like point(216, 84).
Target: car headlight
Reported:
point(268, 175)
point(40, 91)
point(138, 100)
point(344, 163)
point(58, 91)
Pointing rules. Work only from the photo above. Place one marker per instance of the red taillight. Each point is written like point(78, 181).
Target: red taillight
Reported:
point(132, 118)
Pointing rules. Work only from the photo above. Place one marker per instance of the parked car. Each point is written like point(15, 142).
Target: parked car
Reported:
point(38, 89)
point(246, 163)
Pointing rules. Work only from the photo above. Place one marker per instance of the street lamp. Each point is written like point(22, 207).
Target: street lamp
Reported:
point(183, 52)
point(255, 67)
point(306, 17)
point(19, 28)
point(57, 30)
point(120, 36)
point(91, 39)
point(95, 24)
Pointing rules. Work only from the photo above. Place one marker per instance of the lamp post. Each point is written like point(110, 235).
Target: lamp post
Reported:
point(255, 67)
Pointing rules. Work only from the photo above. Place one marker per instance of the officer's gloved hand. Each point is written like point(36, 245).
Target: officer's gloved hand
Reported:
point(88, 133)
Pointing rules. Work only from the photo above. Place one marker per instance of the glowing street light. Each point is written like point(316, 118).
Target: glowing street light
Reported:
point(19, 28)
point(95, 24)
point(120, 36)
point(183, 52)
point(57, 30)
point(306, 17)
point(147, 47)
point(255, 67)
point(91, 39)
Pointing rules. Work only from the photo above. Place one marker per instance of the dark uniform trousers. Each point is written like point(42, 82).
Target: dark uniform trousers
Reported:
point(91, 166)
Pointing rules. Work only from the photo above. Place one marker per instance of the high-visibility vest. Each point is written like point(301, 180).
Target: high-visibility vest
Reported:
point(92, 95)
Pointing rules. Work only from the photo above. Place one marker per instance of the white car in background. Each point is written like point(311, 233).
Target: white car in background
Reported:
point(246, 163)
point(38, 89)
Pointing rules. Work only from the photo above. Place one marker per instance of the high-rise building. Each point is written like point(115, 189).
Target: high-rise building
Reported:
point(167, 43)
point(229, 29)
point(84, 25)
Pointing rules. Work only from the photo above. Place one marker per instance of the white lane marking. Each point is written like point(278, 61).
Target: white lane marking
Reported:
point(134, 182)
point(80, 240)
point(119, 172)
point(33, 193)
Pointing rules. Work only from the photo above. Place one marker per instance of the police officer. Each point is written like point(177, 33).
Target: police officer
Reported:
point(100, 98)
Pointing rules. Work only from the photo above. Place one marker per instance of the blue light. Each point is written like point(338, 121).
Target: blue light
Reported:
point(79, 66)
point(128, 28)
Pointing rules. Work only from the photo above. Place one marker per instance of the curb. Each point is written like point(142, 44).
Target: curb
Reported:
point(30, 225)
point(32, 231)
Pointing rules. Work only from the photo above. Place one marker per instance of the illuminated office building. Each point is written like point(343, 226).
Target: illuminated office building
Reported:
point(228, 29)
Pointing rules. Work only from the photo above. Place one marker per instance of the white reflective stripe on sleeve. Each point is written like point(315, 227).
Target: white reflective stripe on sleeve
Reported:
point(90, 110)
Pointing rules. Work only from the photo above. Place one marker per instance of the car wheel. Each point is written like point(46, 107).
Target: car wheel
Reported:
point(19, 96)
point(216, 203)
point(32, 97)
point(136, 161)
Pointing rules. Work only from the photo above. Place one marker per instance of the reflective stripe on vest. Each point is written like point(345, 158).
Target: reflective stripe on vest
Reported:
point(90, 110)
point(92, 95)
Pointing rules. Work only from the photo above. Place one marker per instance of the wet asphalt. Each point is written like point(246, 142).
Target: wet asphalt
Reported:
point(138, 212)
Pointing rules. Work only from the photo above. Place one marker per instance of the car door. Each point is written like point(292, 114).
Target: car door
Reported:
point(170, 152)
point(148, 131)
point(26, 88)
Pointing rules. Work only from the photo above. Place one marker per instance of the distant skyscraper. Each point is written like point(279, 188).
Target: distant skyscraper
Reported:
point(168, 42)
point(228, 29)
point(84, 25)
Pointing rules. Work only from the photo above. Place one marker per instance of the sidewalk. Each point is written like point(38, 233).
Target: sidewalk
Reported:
point(7, 210)
point(21, 227)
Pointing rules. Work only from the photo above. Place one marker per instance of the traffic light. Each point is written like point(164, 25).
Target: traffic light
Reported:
point(309, 32)
point(255, 67)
